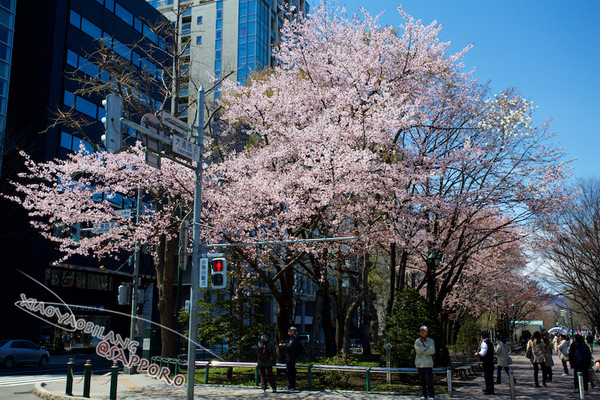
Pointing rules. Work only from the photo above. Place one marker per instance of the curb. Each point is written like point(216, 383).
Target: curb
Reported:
point(43, 393)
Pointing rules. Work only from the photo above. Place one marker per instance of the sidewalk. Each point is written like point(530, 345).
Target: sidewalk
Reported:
point(142, 387)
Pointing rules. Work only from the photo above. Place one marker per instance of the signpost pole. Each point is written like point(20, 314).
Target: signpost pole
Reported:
point(388, 359)
point(198, 249)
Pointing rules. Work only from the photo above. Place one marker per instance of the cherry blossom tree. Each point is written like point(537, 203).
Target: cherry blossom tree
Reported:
point(61, 193)
point(378, 128)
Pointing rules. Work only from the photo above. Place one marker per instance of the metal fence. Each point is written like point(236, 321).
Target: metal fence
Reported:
point(175, 366)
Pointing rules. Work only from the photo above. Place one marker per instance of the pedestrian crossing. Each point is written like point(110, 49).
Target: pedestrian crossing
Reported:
point(6, 381)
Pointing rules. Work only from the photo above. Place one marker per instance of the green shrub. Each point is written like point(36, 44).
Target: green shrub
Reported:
point(336, 379)
point(410, 312)
point(468, 338)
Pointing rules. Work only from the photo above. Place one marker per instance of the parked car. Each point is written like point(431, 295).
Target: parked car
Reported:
point(18, 352)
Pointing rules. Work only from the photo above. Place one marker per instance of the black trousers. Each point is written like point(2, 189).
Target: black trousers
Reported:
point(426, 379)
point(488, 376)
point(265, 372)
point(584, 372)
point(290, 370)
point(536, 368)
point(548, 372)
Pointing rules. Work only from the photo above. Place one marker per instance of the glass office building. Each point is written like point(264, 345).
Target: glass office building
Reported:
point(53, 41)
point(7, 28)
point(225, 38)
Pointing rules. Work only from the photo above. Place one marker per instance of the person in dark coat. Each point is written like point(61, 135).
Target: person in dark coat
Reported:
point(290, 348)
point(265, 361)
point(486, 354)
point(580, 357)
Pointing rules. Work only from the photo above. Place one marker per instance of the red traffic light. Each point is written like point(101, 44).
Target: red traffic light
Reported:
point(217, 266)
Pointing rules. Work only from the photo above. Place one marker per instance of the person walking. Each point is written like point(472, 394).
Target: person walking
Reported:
point(265, 360)
point(548, 361)
point(486, 354)
point(535, 345)
point(424, 350)
point(501, 350)
point(563, 353)
point(290, 348)
point(590, 341)
point(580, 358)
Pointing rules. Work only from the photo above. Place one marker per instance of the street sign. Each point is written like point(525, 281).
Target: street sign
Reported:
point(186, 148)
point(153, 146)
point(152, 159)
point(203, 273)
point(387, 346)
point(174, 123)
point(102, 227)
point(124, 213)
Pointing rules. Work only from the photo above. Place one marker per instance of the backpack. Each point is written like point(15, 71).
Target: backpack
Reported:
point(263, 352)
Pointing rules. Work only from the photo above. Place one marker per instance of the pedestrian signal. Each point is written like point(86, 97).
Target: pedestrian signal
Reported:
point(218, 273)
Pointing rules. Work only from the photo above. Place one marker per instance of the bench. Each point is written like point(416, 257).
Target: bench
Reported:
point(459, 369)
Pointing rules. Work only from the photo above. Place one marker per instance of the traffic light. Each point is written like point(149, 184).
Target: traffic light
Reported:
point(218, 273)
point(75, 232)
point(113, 105)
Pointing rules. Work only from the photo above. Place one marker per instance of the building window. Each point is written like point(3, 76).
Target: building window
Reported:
point(6, 4)
point(73, 143)
point(186, 29)
point(199, 20)
point(199, 40)
point(125, 15)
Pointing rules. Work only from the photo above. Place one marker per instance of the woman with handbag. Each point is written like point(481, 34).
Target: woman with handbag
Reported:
point(536, 354)
point(548, 361)
point(504, 359)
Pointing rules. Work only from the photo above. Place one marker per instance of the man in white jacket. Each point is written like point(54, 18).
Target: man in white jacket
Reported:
point(425, 349)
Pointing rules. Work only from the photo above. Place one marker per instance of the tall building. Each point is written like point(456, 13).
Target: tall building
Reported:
point(225, 38)
point(52, 43)
point(7, 28)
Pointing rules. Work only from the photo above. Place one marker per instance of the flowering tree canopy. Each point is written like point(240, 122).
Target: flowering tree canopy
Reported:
point(358, 126)
point(378, 128)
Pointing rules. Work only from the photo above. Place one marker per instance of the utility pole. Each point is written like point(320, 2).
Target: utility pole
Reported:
point(136, 283)
point(198, 250)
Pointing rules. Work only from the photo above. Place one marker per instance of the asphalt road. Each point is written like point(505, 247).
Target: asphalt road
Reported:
point(17, 383)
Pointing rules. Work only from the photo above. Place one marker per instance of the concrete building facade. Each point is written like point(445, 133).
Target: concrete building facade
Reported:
point(225, 38)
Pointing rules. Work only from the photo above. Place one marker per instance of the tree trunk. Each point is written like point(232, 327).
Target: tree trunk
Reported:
point(430, 279)
point(374, 320)
point(165, 278)
point(320, 299)
point(402, 271)
point(365, 326)
point(330, 349)
point(285, 299)
point(392, 286)
point(339, 313)
point(348, 323)
point(362, 288)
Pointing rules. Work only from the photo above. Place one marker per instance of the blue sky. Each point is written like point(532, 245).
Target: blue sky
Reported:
point(548, 49)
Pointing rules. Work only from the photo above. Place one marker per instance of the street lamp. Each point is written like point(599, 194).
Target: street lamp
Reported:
point(572, 327)
point(496, 298)
point(514, 322)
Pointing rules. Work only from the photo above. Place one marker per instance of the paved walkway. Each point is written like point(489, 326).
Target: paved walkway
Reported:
point(142, 387)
